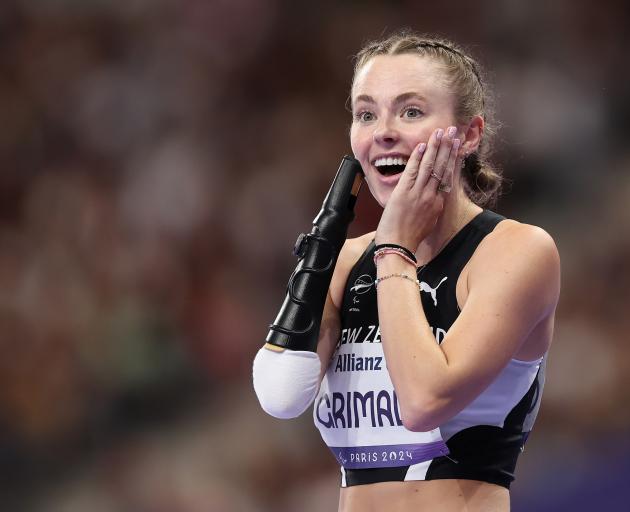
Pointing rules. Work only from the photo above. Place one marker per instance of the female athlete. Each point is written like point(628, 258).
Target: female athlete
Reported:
point(436, 327)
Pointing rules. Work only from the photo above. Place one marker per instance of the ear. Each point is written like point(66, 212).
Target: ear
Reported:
point(473, 133)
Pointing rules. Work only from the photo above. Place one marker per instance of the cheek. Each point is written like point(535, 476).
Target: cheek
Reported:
point(357, 142)
point(423, 134)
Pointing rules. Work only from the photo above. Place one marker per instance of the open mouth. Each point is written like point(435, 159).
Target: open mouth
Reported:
point(390, 170)
point(390, 166)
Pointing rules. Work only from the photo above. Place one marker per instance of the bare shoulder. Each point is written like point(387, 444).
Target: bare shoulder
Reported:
point(525, 252)
point(511, 236)
point(353, 248)
point(350, 253)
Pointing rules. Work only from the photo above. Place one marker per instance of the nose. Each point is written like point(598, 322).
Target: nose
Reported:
point(385, 132)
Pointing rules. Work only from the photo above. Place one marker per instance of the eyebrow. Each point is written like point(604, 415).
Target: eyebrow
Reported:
point(401, 98)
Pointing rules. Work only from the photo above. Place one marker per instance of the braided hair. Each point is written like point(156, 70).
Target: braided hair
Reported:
point(482, 182)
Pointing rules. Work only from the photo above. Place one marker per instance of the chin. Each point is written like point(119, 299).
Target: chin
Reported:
point(381, 199)
point(383, 195)
point(379, 196)
point(379, 193)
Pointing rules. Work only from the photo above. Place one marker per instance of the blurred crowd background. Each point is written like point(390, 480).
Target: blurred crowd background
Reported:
point(158, 159)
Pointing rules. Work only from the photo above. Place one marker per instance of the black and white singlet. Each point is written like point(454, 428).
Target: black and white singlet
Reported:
point(357, 410)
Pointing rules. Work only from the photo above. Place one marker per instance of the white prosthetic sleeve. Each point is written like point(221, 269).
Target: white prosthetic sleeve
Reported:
point(286, 382)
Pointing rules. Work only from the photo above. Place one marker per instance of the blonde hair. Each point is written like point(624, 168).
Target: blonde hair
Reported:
point(482, 181)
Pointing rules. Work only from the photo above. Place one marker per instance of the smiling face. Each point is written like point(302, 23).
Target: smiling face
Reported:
point(397, 102)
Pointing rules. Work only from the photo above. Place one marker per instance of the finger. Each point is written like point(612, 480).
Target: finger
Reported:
point(427, 165)
point(410, 174)
point(447, 178)
point(441, 159)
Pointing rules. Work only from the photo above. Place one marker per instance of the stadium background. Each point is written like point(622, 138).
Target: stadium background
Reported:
point(158, 159)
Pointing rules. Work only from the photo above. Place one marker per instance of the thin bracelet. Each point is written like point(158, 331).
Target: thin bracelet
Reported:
point(378, 280)
point(382, 252)
point(396, 246)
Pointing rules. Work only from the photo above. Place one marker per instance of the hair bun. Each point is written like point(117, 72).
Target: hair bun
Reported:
point(482, 182)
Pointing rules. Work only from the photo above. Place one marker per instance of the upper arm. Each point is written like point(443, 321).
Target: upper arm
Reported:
point(330, 327)
point(513, 285)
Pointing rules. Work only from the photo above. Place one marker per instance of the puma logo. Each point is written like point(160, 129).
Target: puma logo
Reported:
point(424, 287)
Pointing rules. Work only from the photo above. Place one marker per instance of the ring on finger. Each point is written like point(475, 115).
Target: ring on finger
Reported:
point(433, 175)
point(444, 187)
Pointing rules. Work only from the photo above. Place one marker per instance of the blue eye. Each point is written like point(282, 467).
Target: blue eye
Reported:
point(412, 112)
point(364, 116)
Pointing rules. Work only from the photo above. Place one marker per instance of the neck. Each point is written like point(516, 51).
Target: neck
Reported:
point(458, 211)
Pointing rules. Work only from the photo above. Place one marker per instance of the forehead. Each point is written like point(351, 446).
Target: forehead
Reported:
point(386, 76)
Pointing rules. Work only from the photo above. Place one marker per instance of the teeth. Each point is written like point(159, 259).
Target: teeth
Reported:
point(390, 161)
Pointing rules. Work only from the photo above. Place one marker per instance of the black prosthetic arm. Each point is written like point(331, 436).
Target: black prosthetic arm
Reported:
point(297, 325)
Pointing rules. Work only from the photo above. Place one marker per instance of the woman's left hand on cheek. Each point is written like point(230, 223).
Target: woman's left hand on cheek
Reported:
point(417, 200)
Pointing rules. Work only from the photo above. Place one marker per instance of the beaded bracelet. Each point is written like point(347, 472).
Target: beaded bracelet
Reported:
point(404, 250)
point(378, 280)
point(382, 252)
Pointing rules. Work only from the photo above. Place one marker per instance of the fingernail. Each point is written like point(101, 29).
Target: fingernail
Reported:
point(451, 131)
point(438, 135)
point(422, 147)
point(455, 143)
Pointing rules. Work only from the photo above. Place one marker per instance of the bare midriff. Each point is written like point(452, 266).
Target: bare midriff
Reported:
point(418, 496)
